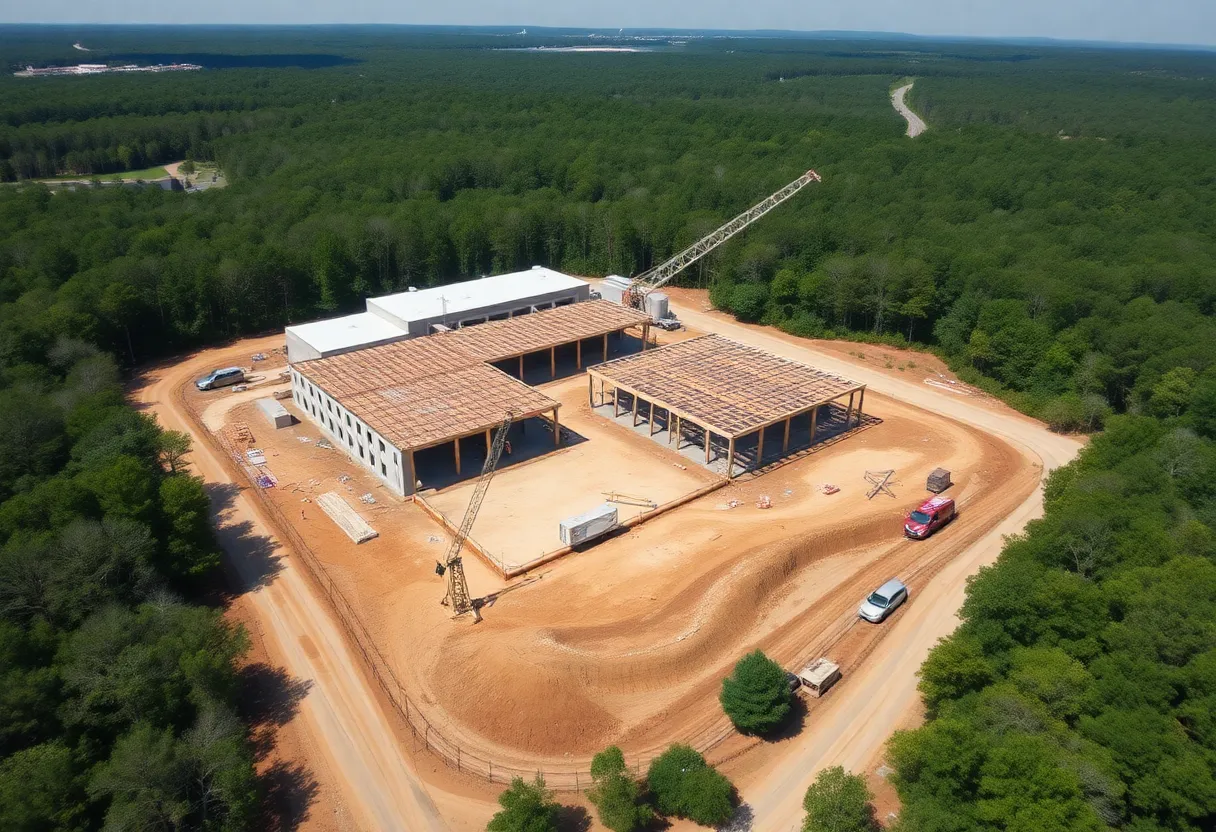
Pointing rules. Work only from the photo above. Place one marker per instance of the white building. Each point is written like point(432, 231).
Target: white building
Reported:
point(414, 313)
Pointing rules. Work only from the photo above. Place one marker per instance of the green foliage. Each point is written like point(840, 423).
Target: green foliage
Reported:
point(838, 802)
point(756, 696)
point(616, 794)
point(1076, 694)
point(190, 545)
point(685, 786)
point(526, 807)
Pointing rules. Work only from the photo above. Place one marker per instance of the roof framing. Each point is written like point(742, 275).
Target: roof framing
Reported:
point(730, 388)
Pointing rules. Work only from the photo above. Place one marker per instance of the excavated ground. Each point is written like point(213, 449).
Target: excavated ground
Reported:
point(627, 642)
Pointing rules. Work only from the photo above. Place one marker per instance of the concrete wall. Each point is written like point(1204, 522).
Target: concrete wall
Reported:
point(362, 444)
point(300, 350)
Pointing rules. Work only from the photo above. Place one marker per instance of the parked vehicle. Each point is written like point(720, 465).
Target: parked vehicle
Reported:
point(818, 676)
point(928, 517)
point(883, 601)
point(793, 681)
point(221, 378)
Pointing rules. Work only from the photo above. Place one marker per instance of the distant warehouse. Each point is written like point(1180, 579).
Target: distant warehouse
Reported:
point(414, 313)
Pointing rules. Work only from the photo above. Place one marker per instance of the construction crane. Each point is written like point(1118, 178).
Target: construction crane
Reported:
point(647, 282)
point(457, 596)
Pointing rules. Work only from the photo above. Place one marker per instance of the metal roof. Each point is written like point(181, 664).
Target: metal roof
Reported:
point(346, 332)
point(455, 299)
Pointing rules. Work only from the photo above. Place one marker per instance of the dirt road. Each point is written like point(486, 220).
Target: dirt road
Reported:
point(916, 125)
point(853, 729)
point(357, 746)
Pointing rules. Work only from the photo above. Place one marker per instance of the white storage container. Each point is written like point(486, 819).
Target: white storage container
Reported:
point(589, 525)
point(275, 413)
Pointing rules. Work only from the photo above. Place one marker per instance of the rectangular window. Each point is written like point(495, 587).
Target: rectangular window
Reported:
point(348, 420)
point(383, 470)
point(371, 457)
point(381, 446)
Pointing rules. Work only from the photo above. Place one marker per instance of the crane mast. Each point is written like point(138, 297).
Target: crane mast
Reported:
point(651, 280)
point(457, 587)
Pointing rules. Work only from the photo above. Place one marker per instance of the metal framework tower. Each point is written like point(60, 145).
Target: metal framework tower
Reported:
point(649, 281)
point(457, 596)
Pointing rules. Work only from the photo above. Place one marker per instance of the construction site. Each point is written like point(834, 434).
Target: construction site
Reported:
point(551, 522)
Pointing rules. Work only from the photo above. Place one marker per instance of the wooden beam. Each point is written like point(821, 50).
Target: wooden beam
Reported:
point(814, 417)
point(458, 456)
point(860, 403)
point(785, 443)
point(557, 429)
point(760, 448)
point(848, 414)
point(552, 362)
point(616, 402)
point(578, 355)
point(672, 425)
point(634, 422)
point(605, 346)
point(730, 458)
point(521, 367)
point(488, 443)
point(651, 430)
point(708, 439)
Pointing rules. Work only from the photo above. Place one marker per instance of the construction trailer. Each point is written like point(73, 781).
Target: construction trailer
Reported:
point(415, 313)
point(383, 405)
point(727, 397)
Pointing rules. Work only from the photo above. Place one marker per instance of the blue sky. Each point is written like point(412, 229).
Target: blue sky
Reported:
point(1155, 21)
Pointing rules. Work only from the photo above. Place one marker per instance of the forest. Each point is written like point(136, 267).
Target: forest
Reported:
point(1051, 237)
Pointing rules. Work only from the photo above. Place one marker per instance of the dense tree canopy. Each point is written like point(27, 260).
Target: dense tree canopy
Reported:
point(685, 786)
point(526, 807)
point(838, 802)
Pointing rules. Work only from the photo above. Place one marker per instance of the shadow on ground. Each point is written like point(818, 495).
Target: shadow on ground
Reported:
point(270, 698)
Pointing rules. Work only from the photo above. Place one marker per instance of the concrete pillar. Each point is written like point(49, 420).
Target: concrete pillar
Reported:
point(457, 456)
point(557, 430)
point(848, 414)
point(730, 458)
point(785, 443)
point(590, 392)
point(759, 448)
point(651, 430)
point(634, 421)
point(708, 440)
point(488, 443)
point(860, 403)
point(814, 417)
point(410, 477)
point(616, 403)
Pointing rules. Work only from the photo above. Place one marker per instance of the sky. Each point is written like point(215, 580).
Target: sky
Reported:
point(1141, 21)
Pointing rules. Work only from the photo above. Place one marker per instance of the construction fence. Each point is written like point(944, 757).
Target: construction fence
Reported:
point(426, 736)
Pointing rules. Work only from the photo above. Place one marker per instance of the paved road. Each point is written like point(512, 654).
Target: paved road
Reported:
point(853, 729)
point(916, 125)
point(378, 780)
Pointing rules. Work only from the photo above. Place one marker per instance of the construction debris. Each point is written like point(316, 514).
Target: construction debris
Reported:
point(627, 500)
point(764, 502)
point(255, 456)
point(340, 512)
point(368, 499)
point(303, 439)
point(939, 480)
point(259, 356)
point(828, 488)
point(880, 480)
point(324, 443)
point(343, 478)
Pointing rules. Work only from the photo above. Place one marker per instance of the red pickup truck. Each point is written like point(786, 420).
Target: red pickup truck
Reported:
point(928, 517)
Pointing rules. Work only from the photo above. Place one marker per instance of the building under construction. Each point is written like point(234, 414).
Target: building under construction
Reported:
point(386, 405)
point(737, 403)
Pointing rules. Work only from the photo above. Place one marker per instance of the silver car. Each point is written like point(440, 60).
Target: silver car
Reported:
point(221, 378)
point(883, 601)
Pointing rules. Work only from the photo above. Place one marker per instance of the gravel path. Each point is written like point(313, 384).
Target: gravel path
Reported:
point(916, 125)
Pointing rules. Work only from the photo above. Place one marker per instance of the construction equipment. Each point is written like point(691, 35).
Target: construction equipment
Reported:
point(881, 482)
point(939, 480)
point(647, 282)
point(457, 596)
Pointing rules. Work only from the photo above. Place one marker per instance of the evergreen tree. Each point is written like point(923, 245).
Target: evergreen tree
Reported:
point(756, 696)
point(838, 802)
